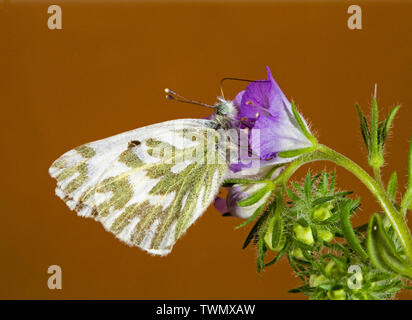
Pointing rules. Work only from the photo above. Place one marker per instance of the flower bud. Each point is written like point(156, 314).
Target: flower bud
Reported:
point(303, 234)
point(321, 214)
point(298, 254)
point(339, 294)
point(275, 228)
point(325, 235)
point(239, 193)
point(317, 280)
point(332, 269)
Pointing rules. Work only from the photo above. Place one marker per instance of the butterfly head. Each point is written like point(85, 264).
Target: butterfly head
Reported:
point(225, 108)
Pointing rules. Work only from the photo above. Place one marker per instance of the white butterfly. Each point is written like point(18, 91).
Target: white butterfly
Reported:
point(145, 197)
point(148, 185)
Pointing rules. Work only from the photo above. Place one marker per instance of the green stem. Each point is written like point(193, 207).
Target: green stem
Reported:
point(324, 153)
point(407, 197)
point(378, 176)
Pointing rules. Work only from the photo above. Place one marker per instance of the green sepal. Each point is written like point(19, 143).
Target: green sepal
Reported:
point(274, 233)
point(332, 183)
point(280, 254)
point(302, 245)
point(373, 248)
point(296, 152)
point(392, 186)
point(302, 125)
point(303, 222)
point(330, 220)
point(254, 231)
point(258, 195)
point(323, 186)
point(348, 231)
point(337, 247)
point(307, 187)
point(322, 200)
point(379, 133)
point(261, 254)
point(252, 217)
point(316, 177)
point(407, 198)
point(382, 251)
point(293, 196)
point(385, 126)
point(275, 227)
point(339, 263)
point(343, 194)
point(230, 182)
point(398, 266)
point(297, 186)
point(388, 251)
point(374, 127)
point(272, 170)
point(364, 129)
point(293, 265)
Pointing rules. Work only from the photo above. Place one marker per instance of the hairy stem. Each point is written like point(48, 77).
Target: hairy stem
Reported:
point(378, 176)
point(324, 153)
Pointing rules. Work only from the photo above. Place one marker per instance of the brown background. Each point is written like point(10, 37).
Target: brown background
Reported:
point(104, 73)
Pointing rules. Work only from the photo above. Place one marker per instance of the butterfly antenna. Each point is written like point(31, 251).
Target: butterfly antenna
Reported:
point(235, 79)
point(171, 95)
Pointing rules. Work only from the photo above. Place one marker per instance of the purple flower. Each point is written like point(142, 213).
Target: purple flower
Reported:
point(232, 203)
point(265, 110)
point(237, 193)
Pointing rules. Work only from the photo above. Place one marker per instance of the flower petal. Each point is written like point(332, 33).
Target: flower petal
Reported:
point(220, 204)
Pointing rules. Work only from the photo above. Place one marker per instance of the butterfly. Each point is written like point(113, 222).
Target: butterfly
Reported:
point(148, 185)
point(143, 185)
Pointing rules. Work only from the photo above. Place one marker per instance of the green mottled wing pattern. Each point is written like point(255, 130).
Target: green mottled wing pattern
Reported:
point(145, 197)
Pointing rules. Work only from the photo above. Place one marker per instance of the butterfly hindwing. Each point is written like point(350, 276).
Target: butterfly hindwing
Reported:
point(150, 202)
point(146, 197)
